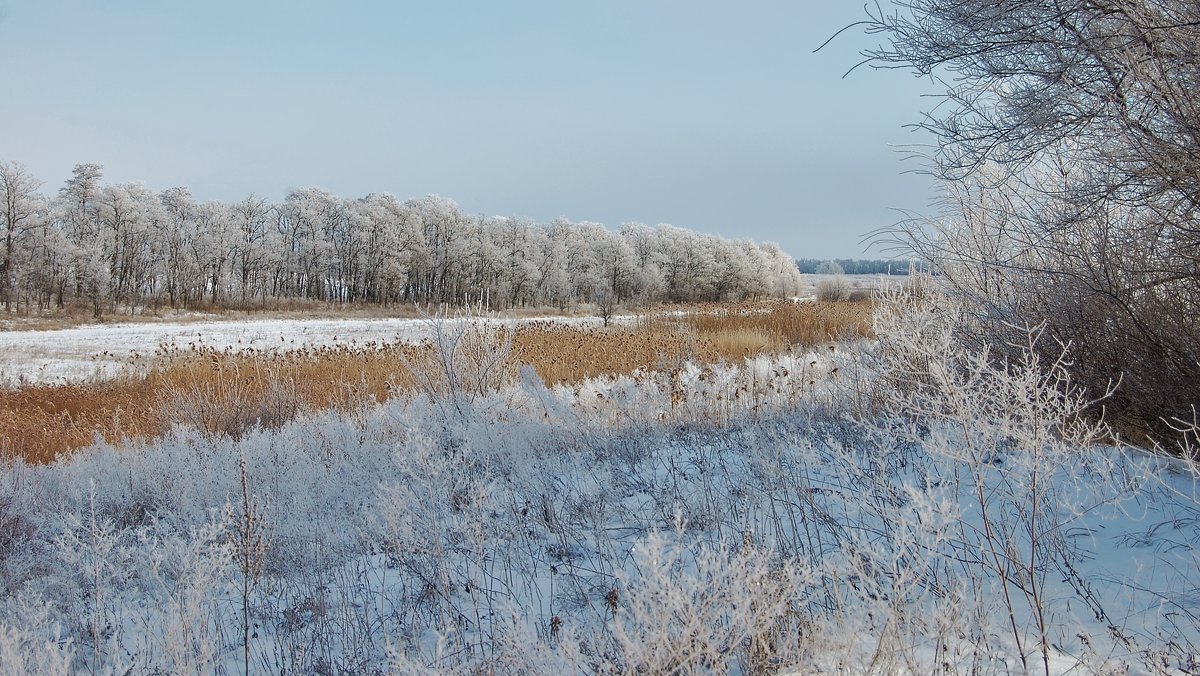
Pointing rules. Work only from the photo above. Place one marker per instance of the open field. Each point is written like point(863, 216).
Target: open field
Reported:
point(890, 506)
point(137, 380)
point(105, 351)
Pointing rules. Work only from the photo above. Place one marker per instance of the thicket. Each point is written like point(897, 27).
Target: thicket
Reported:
point(113, 247)
point(1068, 140)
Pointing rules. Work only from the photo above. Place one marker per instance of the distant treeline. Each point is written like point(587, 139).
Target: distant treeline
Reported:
point(859, 266)
point(125, 246)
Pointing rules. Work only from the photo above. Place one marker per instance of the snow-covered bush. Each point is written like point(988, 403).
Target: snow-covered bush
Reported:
point(707, 608)
point(33, 643)
point(833, 288)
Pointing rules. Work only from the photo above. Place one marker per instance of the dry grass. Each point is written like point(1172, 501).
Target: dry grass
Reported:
point(746, 329)
point(218, 392)
point(39, 422)
point(567, 354)
point(229, 392)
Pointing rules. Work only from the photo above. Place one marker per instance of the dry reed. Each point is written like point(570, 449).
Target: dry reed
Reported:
point(227, 392)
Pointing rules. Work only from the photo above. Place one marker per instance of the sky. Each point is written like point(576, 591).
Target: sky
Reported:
point(714, 116)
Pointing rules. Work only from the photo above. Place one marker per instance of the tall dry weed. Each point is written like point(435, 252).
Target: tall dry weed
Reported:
point(227, 392)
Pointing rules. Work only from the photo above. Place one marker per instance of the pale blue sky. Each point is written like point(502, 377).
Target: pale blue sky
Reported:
point(714, 116)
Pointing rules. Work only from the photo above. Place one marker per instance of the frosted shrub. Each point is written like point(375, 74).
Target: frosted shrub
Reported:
point(192, 573)
point(519, 648)
point(833, 288)
point(469, 360)
point(16, 528)
point(436, 528)
point(706, 609)
point(1011, 441)
point(35, 645)
point(1187, 442)
point(97, 553)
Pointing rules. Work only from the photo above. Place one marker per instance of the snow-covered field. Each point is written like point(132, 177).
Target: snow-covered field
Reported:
point(792, 514)
point(101, 351)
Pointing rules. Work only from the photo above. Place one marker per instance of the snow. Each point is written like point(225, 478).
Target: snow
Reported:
point(768, 519)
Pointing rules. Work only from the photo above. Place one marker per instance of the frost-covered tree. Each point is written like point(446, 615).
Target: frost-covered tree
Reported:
point(523, 247)
point(173, 244)
point(617, 263)
point(251, 249)
point(782, 278)
point(128, 215)
point(78, 212)
point(379, 218)
point(579, 242)
point(830, 268)
point(442, 226)
point(212, 248)
point(20, 207)
point(1069, 141)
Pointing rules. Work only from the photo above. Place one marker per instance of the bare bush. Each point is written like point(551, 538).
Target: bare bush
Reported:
point(1069, 145)
point(230, 403)
point(834, 288)
point(606, 304)
point(469, 359)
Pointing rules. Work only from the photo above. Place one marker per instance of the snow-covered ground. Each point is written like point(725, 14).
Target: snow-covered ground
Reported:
point(102, 351)
point(782, 515)
point(810, 282)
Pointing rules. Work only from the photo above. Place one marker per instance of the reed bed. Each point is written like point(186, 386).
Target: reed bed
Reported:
point(746, 329)
point(562, 354)
point(228, 392)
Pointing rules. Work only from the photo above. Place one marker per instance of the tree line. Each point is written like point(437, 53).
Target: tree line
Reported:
point(123, 247)
point(860, 266)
